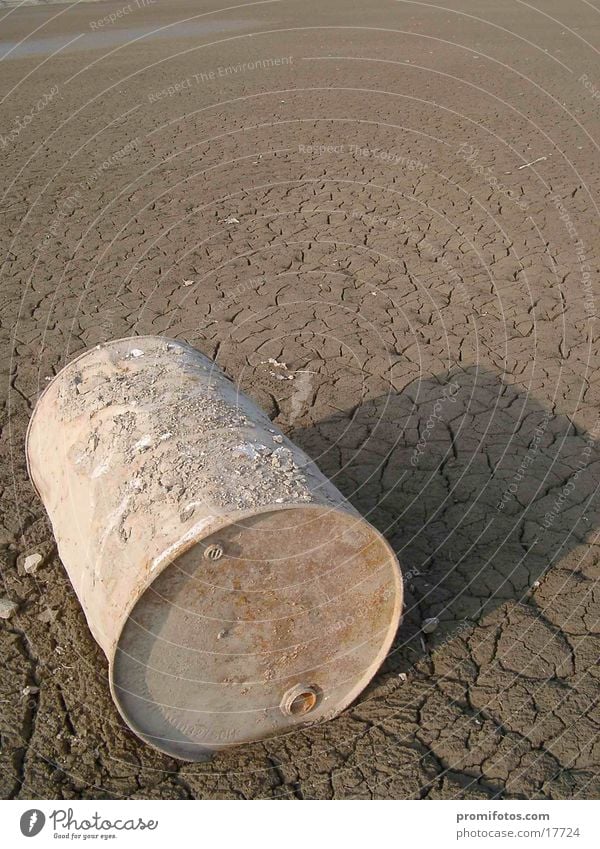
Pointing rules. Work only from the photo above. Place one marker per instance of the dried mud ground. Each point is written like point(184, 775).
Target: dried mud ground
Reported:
point(357, 199)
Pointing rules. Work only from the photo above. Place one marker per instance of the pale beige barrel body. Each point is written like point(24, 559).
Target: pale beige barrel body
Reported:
point(234, 591)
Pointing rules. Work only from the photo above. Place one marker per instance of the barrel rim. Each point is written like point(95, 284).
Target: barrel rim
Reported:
point(226, 521)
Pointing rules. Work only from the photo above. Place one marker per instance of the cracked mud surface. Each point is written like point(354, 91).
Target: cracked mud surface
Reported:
point(367, 213)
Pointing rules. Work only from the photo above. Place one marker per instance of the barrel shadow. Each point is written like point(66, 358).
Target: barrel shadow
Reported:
point(479, 489)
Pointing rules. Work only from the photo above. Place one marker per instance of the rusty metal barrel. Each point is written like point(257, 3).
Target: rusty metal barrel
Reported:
point(235, 592)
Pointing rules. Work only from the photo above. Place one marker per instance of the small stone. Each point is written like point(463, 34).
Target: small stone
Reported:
point(430, 625)
point(283, 458)
point(31, 563)
point(231, 220)
point(7, 608)
point(277, 363)
point(402, 676)
point(48, 615)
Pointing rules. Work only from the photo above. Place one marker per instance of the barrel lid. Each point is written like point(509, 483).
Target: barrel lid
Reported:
point(275, 621)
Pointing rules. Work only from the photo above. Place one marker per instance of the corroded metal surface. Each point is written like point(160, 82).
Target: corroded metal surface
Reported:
point(162, 481)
